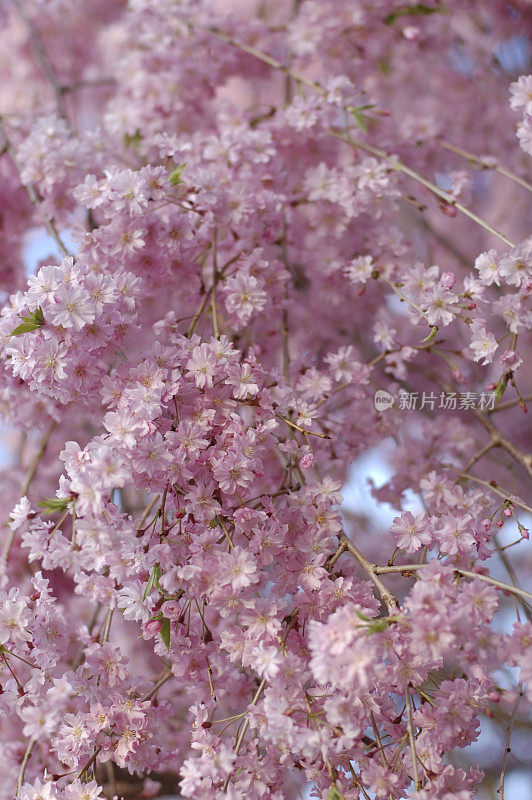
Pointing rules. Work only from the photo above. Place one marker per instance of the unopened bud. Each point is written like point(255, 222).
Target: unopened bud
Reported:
point(449, 211)
point(411, 33)
point(447, 280)
point(152, 626)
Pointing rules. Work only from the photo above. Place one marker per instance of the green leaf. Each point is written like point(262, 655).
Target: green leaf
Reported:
point(361, 118)
point(432, 335)
point(501, 387)
point(175, 176)
point(153, 580)
point(378, 625)
point(415, 10)
point(26, 327)
point(165, 632)
point(30, 323)
point(53, 504)
point(133, 141)
point(335, 794)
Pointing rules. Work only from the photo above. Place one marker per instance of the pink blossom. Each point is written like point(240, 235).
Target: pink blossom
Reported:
point(14, 618)
point(483, 344)
point(411, 533)
point(244, 295)
point(239, 212)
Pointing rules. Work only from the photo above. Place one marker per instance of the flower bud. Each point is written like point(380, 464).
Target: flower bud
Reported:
point(307, 461)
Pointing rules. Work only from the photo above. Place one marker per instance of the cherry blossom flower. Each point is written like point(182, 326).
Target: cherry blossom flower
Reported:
point(411, 533)
point(483, 343)
point(72, 307)
point(189, 379)
point(521, 93)
point(14, 618)
point(244, 296)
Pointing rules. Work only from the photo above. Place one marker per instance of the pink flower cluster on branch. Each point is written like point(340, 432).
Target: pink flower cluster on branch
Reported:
point(264, 218)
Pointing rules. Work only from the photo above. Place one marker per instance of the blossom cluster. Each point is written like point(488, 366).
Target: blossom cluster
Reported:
point(259, 215)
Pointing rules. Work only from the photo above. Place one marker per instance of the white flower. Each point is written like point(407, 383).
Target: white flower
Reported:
point(44, 284)
point(14, 618)
point(516, 266)
point(524, 134)
point(72, 308)
point(265, 660)
point(131, 603)
point(244, 295)
point(521, 94)
point(19, 515)
point(483, 344)
point(359, 270)
point(488, 266)
point(83, 791)
point(123, 426)
point(39, 790)
point(39, 721)
point(51, 358)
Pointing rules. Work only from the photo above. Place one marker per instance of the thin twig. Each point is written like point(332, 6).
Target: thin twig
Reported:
point(356, 143)
point(26, 484)
point(482, 452)
point(245, 725)
point(405, 298)
point(227, 535)
point(513, 577)
point(400, 167)
point(379, 740)
point(246, 722)
point(32, 193)
point(486, 164)
point(36, 459)
point(303, 430)
point(499, 440)
point(388, 598)
point(215, 327)
point(106, 629)
point(501, 492)
point(260, 56)
point(411, 740)
point(505, 587)
point(147, 510)
point(155, 688)
point(90, 762)
point(331, 561)
point(200, 311)
point(42, 57)
point(24, 764)
point(421, 222)
point(507, 749)
point(510, 404)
